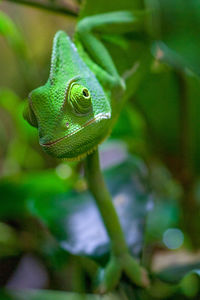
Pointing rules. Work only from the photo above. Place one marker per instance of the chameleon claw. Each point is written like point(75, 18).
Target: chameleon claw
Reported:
point(108, 278)
point(135, 272)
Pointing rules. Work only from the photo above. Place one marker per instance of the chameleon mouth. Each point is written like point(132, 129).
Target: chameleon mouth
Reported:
point(97, 118)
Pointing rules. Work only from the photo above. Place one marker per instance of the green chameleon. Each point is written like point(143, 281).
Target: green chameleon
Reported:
point(76, 110)
point(77, 107)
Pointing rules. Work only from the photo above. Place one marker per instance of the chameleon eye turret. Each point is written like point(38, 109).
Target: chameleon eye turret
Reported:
point(29, 115)
point(80, 99)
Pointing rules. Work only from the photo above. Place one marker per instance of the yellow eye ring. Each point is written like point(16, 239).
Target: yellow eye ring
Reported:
point(86, 93)
point(80, 99)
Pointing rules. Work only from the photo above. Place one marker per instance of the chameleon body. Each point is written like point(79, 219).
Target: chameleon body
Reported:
point(76, 109)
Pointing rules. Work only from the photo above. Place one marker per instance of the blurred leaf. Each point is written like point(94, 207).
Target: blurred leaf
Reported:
point(12, 34)
point(9, 243)
point(45, 183)
point(16, 136)
point(166, 55)
point(129, 125)
point(176, 23)
point(11, 103)
point(74, 219)
point(166, 212)
point(168, 100)
point(104, 6)
point(131, 128)
point(52, 295)
point(16, 191)
point(158, 100)
point(175, 274)
point(189, 285)
point(9, 100)
point(5, 295)
point(12, 200)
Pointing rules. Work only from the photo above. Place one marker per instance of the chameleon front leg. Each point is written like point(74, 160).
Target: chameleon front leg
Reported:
point(87, 39)
point(121, 260)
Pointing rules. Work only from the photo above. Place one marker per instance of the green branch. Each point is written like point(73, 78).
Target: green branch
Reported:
point(120, 260)
point(104, 202)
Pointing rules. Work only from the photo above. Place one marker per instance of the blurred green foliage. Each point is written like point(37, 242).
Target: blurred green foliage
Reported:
point(151, 161)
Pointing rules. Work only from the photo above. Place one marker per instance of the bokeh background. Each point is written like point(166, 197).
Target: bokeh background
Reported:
point(51, 235)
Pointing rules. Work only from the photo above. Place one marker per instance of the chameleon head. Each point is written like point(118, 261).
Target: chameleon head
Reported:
point(71, 111)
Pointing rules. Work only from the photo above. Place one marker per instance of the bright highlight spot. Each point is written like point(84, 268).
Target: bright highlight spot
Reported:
point(173, 238)
point(63, 171)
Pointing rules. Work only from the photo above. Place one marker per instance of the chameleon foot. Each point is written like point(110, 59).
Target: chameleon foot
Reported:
point(109, 277)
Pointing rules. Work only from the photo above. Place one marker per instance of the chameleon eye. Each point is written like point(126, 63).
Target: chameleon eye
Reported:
point(80, 99)
point(29, 115)
point(86, 93)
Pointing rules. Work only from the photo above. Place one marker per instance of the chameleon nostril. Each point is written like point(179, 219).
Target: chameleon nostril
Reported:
point(67, 125)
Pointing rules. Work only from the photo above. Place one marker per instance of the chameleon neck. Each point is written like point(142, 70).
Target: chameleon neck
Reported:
point(104, 202)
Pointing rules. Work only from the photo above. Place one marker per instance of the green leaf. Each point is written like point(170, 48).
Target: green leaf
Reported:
point(47, 182)
point(105, 6)
point(12, 34)
point(12, 200)
point(17, 191)
point(74, 219)
point(9, 242)
point(176, 23)
point(158, 101)
point(52, 295)
point(16, 136)
point(169, 103)
point(131, 128)
point(176, 273)
point(6, 296)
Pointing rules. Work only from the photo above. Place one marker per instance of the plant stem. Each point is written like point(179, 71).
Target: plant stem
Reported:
point(186, 173)
point(104, 202)
point(55, 6)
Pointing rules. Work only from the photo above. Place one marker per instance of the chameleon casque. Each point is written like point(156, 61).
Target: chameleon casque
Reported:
point(76, 109)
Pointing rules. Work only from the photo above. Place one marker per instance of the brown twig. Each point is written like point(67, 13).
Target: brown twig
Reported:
point(60, 6)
